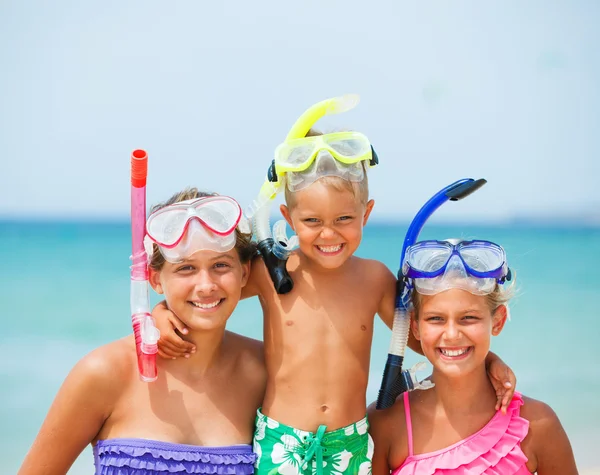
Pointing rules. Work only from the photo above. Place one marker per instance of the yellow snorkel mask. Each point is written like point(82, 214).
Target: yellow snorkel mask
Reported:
point(300, 161)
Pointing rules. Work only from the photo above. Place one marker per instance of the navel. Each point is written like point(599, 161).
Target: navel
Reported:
point(363, 328)
point(289, 323)
point(324, 408)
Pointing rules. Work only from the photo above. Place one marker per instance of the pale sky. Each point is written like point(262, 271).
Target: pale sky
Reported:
point(505, 90)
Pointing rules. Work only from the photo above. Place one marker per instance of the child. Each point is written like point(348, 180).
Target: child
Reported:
point(189, 420)
point(318, 337)
point(459, 302)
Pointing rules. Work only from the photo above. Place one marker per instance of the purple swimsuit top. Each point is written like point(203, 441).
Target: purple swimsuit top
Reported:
point(152, 457)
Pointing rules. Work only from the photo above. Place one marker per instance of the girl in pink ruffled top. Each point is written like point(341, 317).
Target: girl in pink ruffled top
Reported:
point(459, 301)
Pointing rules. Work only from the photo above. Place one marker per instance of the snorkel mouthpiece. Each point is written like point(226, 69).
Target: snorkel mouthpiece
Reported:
point(282, 281)
point(395, 381)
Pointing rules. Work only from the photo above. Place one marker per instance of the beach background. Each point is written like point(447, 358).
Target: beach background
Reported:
point(503, 90)
point(65, 292)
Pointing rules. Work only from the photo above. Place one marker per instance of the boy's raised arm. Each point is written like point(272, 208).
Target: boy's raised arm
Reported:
point(258, 273)
point(388, 305)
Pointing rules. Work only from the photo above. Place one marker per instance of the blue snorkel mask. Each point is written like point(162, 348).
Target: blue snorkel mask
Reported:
point(395, 380)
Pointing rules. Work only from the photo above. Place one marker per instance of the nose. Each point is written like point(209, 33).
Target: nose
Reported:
point(205, 283)
point(327, 233)
point(451, 332)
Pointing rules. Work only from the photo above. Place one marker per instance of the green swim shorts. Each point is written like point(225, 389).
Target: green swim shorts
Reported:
point(281, 449)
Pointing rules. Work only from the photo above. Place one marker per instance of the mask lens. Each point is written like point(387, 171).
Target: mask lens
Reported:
point(350, 148)
point(482, 258)
point(293, 155)
point(220, 215)
point(166, 227)
point(428, 258)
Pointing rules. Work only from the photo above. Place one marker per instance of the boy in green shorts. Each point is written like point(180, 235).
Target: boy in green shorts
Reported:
point(317, 337)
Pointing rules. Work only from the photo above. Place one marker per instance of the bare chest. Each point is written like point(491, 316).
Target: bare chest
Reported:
point(170, 410)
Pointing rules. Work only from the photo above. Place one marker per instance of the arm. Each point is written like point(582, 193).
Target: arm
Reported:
point(546, 445)
point(258, 274)
point(82, 405)
point(387, 306)
point(171, 344)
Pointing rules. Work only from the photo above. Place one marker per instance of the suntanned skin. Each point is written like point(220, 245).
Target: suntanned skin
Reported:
point(103, 398)
point(462, 401)
point(195, 401)
point(318, 337)
point(318, 341)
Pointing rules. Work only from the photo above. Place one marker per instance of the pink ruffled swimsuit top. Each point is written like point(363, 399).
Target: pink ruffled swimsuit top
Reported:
point(493, 450)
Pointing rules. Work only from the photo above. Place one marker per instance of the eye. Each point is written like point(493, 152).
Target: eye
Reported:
point(310, 220)
point(185, 268)
point(471, 318)
point(221, 265)
point(345, 218)
point(434, 319)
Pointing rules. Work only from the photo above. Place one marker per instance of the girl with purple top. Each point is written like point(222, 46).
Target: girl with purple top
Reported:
point(196, 418)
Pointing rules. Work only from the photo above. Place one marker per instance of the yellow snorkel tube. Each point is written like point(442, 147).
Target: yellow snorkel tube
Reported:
point(275, 246)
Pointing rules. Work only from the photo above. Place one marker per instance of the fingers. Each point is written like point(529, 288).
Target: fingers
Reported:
point(176, 348)
point(178, 323)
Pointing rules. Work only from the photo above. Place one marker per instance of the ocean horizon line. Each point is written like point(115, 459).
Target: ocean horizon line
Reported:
point(542, 222)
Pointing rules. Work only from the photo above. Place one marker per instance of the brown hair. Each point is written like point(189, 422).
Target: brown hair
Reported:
point(245, 248)
point(358, 189)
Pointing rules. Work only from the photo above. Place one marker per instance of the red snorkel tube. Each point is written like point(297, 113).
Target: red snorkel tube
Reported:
point(146, 334)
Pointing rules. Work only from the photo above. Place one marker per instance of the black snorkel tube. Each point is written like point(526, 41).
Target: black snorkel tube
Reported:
point(396, 381)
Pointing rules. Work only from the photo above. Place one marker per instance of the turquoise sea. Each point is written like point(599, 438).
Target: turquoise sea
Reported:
point(65, 290)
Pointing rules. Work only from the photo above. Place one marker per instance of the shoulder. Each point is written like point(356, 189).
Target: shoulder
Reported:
point(539, 414)
point(249, 352)
point(385, 422)
point(98, 380)
point(388, 430)
point(546, 444)
point(375, 271)
point(108, 366)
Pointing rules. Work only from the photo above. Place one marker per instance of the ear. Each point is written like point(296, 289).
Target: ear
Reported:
point(155, 281)
point(414, 325)
point(499, 319)
point(368, 210)
point(285, 212)
point(246, 272)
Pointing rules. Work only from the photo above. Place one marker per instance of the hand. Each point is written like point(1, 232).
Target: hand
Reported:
point(170, 344)
point(503, 380)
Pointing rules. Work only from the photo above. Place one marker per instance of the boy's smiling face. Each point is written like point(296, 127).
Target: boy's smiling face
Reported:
point(328, 222)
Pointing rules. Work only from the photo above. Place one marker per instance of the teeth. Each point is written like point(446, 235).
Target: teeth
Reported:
point(454, 352)
point(206, 305)
point(330, 248)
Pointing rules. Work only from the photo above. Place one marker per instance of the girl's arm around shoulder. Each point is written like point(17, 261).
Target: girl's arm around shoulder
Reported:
point(388, 430)
point(83, 403)
point(257, 278)
point(546, 446)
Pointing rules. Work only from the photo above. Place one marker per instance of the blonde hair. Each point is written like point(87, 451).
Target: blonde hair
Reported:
point(359, 190)
point(244, 246)
point(501, 295)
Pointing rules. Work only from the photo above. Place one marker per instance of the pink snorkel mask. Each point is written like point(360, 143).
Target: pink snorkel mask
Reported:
point(206, 223)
